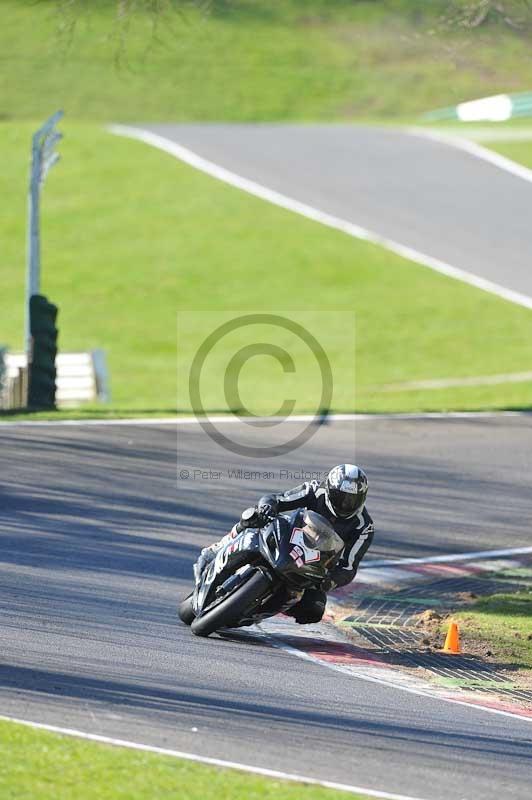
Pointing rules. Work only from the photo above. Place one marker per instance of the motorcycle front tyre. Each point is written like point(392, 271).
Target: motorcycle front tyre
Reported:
point(185, 612)
point(236, 606)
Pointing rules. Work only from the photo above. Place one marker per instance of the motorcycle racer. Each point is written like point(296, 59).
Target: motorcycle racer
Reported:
point(341, 499)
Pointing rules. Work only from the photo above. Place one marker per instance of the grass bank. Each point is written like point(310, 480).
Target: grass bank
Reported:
point(502, 625)
point(249, 60)
point(132, 237)
point(39, 764)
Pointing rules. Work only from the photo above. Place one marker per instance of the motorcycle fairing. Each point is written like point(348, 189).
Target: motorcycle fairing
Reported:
point(237, 551)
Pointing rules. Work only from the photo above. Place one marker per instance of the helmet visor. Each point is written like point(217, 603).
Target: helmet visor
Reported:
point(346, 504)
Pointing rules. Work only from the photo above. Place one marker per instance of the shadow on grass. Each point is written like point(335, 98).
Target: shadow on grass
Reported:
point(507, 605)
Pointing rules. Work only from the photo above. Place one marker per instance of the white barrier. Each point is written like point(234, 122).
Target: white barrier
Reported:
point(497, 108)
point(81, 378)
point(13, 383)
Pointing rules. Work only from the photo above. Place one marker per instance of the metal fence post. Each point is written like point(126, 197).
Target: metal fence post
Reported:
point(3, 373)
point(43, 157)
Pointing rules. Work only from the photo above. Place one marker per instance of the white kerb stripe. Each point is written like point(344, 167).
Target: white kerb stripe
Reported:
point(214, 762)
point(230, 419)
point(364, 676)
point(272, 196)
point(448, 559)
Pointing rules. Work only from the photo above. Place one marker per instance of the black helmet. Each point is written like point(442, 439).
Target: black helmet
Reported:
point(346, 488)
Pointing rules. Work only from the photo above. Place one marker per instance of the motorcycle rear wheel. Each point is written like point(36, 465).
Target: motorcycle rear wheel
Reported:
point(239, 603)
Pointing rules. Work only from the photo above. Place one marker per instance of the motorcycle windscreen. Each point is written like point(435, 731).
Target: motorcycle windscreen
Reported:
point(319, 535)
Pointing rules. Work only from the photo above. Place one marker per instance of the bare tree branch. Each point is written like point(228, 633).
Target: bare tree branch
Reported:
point(159, 12)
point(517, 14)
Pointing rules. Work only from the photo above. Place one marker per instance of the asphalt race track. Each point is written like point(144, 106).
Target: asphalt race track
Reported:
point(97, 541)
point(421, 193)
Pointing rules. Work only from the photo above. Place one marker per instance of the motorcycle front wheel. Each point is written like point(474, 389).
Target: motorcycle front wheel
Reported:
point(235, 607)
point(185, 612)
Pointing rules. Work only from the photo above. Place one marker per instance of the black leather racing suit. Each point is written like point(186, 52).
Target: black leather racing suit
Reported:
point(356, 533)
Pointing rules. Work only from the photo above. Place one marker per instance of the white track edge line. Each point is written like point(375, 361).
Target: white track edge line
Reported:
point(475, 149)
point(279, 644)
point(215, 762)
point(357, 231)
point(230, 419)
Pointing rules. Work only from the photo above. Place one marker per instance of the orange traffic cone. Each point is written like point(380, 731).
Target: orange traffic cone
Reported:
point(452, 640)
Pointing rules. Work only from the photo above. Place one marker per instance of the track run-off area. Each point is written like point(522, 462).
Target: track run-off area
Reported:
point(98, 537)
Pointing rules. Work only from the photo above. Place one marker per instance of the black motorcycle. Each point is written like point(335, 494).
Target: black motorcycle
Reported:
point(262, 571)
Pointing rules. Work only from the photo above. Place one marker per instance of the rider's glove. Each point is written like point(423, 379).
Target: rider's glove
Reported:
point(267, 510)
point(256, 517)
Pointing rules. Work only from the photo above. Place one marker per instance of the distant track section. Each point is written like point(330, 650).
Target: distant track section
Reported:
point(420, 196)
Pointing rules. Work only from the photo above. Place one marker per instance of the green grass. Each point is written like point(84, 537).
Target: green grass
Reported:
point(121, 270)
point(503, 622)
point(39, 764)
point(250, 60)
point(132, 236)
point(517, 151)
